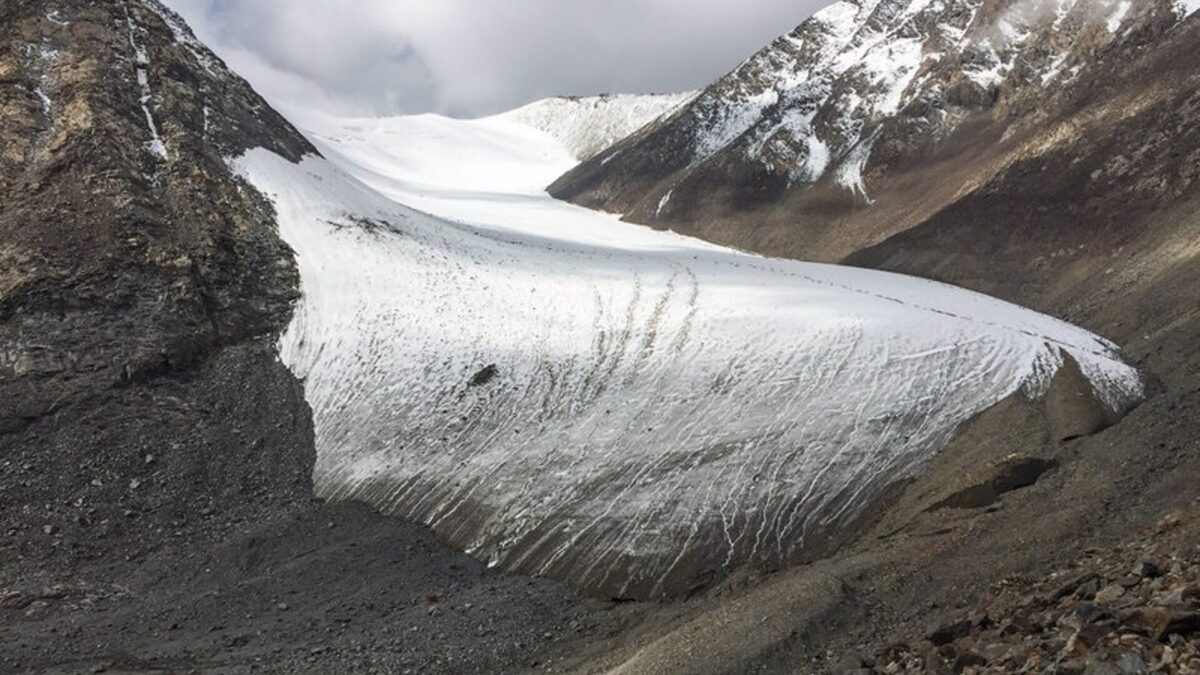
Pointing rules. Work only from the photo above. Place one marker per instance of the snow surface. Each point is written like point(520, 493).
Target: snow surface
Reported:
point(44, 100)
point(588, 125)
point(1118, 16)
point(654, 398)
point(1187, 8)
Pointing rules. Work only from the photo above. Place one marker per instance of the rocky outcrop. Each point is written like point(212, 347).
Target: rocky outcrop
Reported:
point(142, 286)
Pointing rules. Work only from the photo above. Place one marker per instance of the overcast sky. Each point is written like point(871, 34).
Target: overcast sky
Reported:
point(473, 57)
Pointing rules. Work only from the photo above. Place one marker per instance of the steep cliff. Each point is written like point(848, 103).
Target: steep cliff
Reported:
point(142, 287)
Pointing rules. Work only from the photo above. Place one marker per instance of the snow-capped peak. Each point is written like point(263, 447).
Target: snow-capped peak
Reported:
point(588, 125)
point(864, 74)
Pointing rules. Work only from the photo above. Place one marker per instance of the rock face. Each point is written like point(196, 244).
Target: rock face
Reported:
point(868, 118)
point(141, 284)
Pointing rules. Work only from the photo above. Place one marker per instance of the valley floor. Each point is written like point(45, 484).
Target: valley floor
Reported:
point(325, 590)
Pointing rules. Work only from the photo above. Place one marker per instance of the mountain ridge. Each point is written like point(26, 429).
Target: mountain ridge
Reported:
point(588, 125)
point(829, 127)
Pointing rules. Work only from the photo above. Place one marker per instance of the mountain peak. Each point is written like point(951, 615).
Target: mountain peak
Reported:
point(588, 125)
point(859, 87)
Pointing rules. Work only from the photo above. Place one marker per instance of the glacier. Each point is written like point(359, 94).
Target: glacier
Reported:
point(561, 393)
point(588, 125)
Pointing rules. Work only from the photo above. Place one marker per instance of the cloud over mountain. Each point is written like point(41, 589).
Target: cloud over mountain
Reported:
point(466, 57)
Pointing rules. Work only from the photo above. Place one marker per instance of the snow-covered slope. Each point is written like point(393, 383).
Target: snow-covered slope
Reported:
point(559, 392)
point(588, 125)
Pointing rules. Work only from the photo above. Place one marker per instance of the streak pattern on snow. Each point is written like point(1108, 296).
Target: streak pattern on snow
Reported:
point(558, 392)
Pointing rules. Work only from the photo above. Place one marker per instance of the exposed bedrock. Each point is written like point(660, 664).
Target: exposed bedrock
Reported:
point(142, 288)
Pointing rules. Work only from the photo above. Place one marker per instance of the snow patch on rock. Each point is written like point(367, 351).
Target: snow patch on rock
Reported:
point(155, 145)
point(47, 106)
point(850, 173)
point(1118, 16)
point(910, 69)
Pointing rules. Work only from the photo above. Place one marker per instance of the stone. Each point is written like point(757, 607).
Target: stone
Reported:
point(967, 660)
point(1132, 664)
point(1147, 569)
point(1073, 585)
point(1090, 635)
point(982, 621)
point(1090, 612)
point(15, 600)
point(1169, 522)
point(1185, 624)
point(1095, 667)
point(949, 633)
point(1088, 589)
point(1072, 667)
point(1168, 656)
point(1172, 599)
point(1161, 623)
point(1109, 594)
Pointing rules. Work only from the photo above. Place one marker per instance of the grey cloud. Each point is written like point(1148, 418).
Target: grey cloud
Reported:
point(470, 57)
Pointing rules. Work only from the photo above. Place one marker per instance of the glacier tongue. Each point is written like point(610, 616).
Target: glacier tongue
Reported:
point(558, 392)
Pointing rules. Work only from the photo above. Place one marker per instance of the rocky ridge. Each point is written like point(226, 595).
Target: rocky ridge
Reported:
point(141, 286)
point(840, 116)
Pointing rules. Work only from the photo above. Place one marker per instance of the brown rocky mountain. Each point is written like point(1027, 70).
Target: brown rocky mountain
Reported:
point(871, 117)
point(155, 456)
